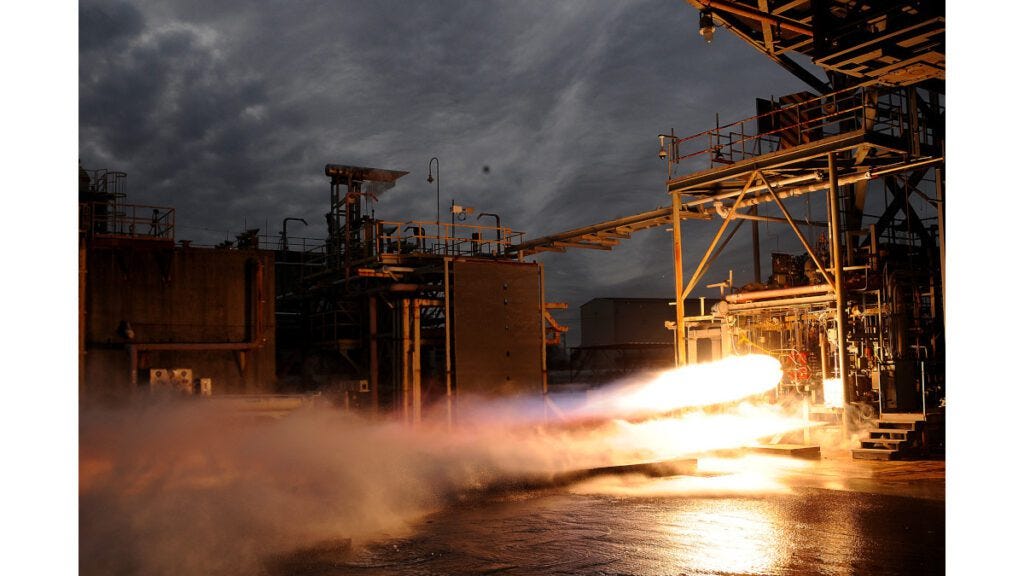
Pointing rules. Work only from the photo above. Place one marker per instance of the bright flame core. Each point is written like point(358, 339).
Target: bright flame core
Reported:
point(698, 385)
point(833, 396)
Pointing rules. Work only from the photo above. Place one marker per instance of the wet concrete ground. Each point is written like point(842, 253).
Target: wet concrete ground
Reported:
point(835, 516)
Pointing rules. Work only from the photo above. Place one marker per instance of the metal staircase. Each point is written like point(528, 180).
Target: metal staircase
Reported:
point(893, 437)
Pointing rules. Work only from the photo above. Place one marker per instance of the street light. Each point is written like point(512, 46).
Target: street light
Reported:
point(430, 178)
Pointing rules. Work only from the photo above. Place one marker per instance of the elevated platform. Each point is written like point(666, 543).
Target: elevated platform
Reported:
point(804, 159)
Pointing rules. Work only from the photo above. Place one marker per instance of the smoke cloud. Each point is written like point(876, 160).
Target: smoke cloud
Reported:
point(199, 487)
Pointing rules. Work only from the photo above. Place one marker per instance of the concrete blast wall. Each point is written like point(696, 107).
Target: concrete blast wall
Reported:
point(196, 300)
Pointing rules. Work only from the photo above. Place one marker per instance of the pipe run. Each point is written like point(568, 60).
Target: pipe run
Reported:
point(723, 308)
point(818, 181)
point(780, 293)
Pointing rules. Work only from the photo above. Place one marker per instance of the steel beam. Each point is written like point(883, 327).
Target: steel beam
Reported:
point(753, 216)
point(721, 229)
point(941, 209)
point(780, 158)
point(761, 16)
point(794, 191)
point(677, 264)
point(789, 64)
point(588, 245)
point(799, 235)
point(643, 220)
point(769, 44)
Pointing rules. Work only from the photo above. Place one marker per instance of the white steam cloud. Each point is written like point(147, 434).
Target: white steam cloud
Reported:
point(198, 488)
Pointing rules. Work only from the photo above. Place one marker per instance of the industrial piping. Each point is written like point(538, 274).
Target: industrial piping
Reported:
point(782, 292)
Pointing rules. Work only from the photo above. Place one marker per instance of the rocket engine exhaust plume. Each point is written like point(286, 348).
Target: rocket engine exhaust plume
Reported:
point(693, 386)
point(689, 387)
point(191, 487)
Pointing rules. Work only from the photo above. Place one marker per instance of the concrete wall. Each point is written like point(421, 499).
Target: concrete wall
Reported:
point(176, 295)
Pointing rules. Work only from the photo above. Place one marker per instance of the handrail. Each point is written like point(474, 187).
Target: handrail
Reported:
point(453, 240)
point(854, 108)
point(137, 221)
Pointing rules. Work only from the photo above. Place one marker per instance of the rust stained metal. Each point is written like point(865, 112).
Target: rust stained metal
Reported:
point(761, 16)
point(699, 272)
point(604, 232)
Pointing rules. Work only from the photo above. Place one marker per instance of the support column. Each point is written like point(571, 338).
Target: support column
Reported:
point(447, 344)
point(406, 360)
point(677, 261)
point(417, 386)
point(374, 365)
point(82, 279)
point(543, 336)
point(755, 239)
point(941, 203)
point(133, 368)
point(837, 274)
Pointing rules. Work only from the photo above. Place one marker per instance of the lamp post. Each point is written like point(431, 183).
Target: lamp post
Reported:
point(430, 178)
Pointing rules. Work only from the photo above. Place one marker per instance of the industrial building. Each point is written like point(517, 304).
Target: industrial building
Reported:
point(160, 316)
point(364, 314)
point(401, 316)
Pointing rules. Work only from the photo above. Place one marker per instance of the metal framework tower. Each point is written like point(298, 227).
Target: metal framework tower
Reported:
point(863, 305)
point(399, 314)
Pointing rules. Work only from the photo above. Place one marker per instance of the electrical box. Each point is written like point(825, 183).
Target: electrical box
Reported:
point(181, 380)
point(175, 379)
point(159, 379)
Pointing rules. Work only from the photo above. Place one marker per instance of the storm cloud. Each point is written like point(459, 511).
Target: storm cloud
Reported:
point(545, 113)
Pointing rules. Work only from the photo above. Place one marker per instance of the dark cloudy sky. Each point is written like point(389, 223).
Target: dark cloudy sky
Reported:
point(228, 112)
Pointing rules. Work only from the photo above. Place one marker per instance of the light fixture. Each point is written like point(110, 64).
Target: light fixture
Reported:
point(434, 162)
point(707, 25)
point(661, 152)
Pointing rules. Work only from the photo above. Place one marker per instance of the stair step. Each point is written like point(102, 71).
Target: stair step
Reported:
point(875, 454)
point(904, 432)
point(902, 418)
point(896, 425)
point(897, 442)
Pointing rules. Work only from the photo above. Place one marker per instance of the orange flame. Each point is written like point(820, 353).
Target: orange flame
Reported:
point(694, 386)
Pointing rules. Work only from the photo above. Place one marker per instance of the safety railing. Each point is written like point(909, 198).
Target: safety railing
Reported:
point(443, 239)
point(136, 221)
point(877, 111)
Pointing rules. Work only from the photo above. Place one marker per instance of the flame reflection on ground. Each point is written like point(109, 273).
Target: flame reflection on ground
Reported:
point(735, 536)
